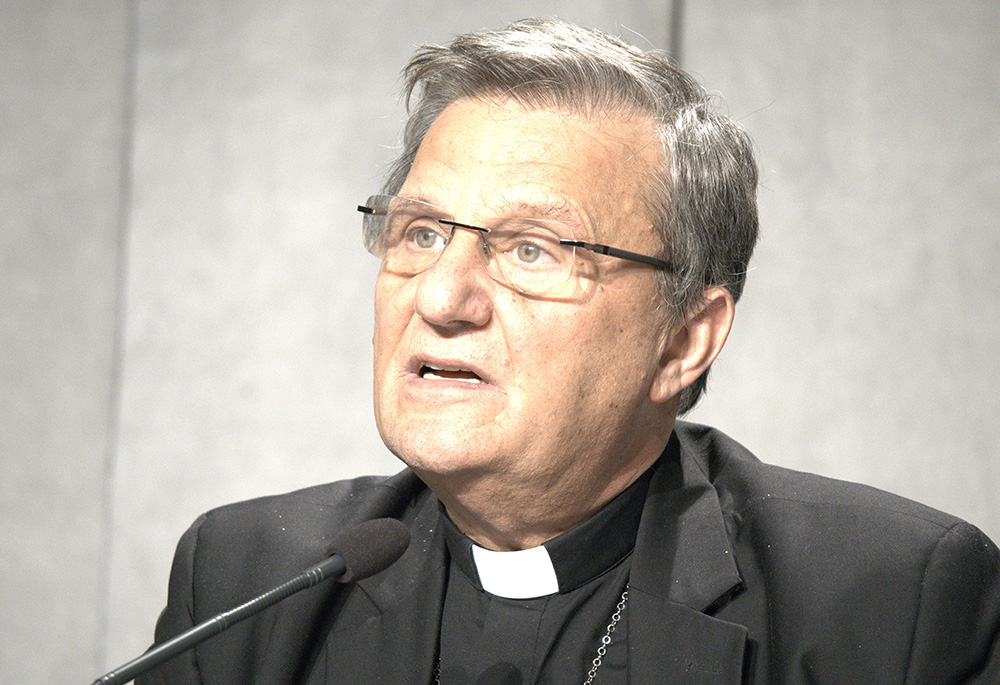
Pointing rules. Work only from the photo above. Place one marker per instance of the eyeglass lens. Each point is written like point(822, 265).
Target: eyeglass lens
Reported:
point(526, 254)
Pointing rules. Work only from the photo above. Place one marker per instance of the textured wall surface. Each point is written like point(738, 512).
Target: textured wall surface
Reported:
point(868, 346)
point(185, 307)
point(62, 122)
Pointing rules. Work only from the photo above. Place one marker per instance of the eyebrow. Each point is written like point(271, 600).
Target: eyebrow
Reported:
point(425, 200)
point(551, 209)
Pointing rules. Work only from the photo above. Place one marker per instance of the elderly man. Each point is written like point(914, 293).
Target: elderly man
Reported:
point(563, 239)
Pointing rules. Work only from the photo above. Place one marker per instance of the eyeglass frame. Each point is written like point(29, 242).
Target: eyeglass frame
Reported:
point(598, 248)
point(593, 247)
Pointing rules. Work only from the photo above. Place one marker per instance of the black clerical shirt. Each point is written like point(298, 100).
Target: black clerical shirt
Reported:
point(541, 638)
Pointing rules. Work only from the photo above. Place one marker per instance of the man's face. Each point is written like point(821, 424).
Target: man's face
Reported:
point(476, 380)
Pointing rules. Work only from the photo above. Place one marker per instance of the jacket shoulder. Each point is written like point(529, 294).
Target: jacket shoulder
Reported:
point(248, 546)
point(833, 568)
point(747, 485)
point(337, 504)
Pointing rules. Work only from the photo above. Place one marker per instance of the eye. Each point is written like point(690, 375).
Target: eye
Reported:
point(529, 253)
point(533, 247)
point(425, 235)
point(425, 238)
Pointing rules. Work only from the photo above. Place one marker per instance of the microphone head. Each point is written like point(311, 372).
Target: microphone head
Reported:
point(370, 547)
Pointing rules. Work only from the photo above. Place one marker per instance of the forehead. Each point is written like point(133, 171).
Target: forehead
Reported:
point(482, 157)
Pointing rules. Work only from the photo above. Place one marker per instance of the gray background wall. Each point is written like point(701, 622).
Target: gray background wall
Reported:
point(185, 308)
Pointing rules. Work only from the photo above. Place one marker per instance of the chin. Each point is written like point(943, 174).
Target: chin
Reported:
point(439, 453)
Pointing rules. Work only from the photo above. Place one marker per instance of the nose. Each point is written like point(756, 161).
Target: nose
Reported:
point(456, 291)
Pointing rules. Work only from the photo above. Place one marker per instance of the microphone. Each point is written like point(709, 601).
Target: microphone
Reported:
point(357, 553)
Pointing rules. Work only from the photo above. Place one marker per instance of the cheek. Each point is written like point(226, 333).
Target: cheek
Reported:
point(391, 302)
point(619, 351)
point(390, 319)
point(564, 358)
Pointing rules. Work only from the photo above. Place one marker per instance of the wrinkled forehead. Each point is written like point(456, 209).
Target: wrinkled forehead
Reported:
point(490, 156)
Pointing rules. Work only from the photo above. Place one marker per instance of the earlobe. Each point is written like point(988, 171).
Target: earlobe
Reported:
point(691, 348)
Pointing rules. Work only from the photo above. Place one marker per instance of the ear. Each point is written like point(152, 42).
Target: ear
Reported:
point(689, 349)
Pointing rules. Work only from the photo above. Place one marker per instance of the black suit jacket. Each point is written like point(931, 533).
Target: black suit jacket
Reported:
point(742, 572)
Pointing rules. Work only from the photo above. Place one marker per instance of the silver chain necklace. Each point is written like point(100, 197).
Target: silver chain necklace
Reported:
point(606, 640)
point(602, 649)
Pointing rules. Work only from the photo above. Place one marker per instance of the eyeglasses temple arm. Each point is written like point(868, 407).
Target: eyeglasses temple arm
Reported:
point(621, 254)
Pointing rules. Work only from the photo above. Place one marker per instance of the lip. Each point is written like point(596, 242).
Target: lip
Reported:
point(447, 364)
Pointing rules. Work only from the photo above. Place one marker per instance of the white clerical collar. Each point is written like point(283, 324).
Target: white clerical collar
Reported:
point(522, 574)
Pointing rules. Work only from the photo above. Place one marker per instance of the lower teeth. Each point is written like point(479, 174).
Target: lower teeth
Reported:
point(434, 376)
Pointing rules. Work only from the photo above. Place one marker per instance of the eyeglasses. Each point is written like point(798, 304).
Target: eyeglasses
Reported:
point(533, 256)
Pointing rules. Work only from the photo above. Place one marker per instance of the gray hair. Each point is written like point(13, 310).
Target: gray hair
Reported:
point(702, 201)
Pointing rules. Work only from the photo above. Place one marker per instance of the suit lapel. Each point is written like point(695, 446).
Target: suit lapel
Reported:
point(672, 643)
point(683, 569)
point(410, 601)
point(387, 629)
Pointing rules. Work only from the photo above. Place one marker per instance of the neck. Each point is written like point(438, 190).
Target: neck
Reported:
point(502, 515)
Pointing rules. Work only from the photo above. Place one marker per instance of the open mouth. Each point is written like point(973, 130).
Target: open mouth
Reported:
point(431, 372)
